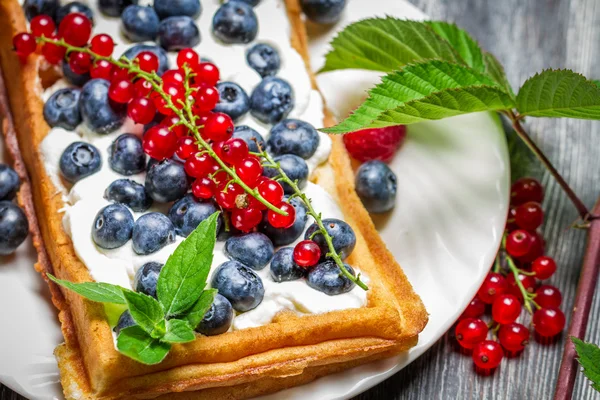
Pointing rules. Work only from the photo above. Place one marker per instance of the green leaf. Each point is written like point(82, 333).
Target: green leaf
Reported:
point(135, 343)
point(183, 277)
point(178, 331)
point(461, 42)
point(196, 313)
point(589, 358)
point(425, 91)
point(597, 82)
point(94, 291)
point(386, 44)
point(559, 93)
point(146, 312)
point(494, 69)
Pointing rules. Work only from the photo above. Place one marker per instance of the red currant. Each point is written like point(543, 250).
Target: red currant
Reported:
point(227, 196)
point(186, 147)
point(141, 110)
point(159, 142)
point(119, 74)
point(174, 76)
point(548, 296)
point(307, 253)
point(526, 189)
point(208, 73)
point(233, 151)
point(24, 44)
point(248, 170)
point(493, 285)
point(282, 221)
point(218, 127)
point(80, 63)
point(172, 91)
point(204, 188)
point(199, 165)
point(518, 243)
point(42, 25)
point(529, 215)
point(487, 354)
point(270, 190)
point(506, 308)
point(220, 178)
point(528, 282)
point(511, 225)
point(102, 44)
point(121, 91)
point(206, 98)
point(188, 56)
point(470, 331)
point(543, 267)
point(53, 53)
point(173, 123)
point(375, 144)
point(475, 309)
point(147, 61)
point(548, 322)
point(513, 337)
point(101, 69)
point(536, 250)
point(245, 219)
point(75, 29)
point(142, 88)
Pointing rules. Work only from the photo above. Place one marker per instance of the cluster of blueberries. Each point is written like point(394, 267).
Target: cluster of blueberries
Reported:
point(13, 221)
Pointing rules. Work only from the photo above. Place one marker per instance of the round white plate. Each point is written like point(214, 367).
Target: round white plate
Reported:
point(453, 183)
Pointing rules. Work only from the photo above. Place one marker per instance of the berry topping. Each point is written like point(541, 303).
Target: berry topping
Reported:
point(249, 170)
point(328, 278)
point(283, 267)
point(270, 190)
point(264, 59)
point(200, 165)
point(152, 232)
point(272, 100)
point(166, 181)
point(375, 184)
point(125, 321)
point(218, 127)
point(188, 56)
point(294, 167)
point(208, 73)
point(13, 227)
point(79, 160)
point(282, 221)
point(524, 190)
point(187, 213)
point(218, 318)
point(98, 114)
point(233, 151)
point(293, 136)
point(233, 100)
point(130, 193)
point(141, 110)
point(121, 91)
point(176, 33)
point(113, 226)
point(80, 63)
point(103, 45)
point(9, 182)
point(285, 236)
point(323, 11)
point(34, 8)
point(114, 8)
point(206, 99)
point(140, 23)
point(62, 109)
point(75, 29)
point(126, 155)
point(160, 142)
point(239, 284)
point(375, 144)
point(518, 243)
point(73, 7)
point(235, 22)
point(173, 8)
point(307, 253)
point(529, 216)
point(342, 235)
point(146, 278)
point(42, 25)
point(24, 44)
point(252, 138)
point(163, 61)
point(254, 250)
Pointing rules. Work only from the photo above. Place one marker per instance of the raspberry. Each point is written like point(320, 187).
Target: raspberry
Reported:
point(375, 144)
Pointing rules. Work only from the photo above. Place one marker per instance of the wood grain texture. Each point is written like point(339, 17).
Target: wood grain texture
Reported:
point(526, 36)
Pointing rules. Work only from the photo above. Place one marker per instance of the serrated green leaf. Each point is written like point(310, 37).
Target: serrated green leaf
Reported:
point(196, 313)
point(589, 358)
point(94, 291)
point(597, 82)
point(135, 343)
point(559, 93)
point(461, 42)
point(386, 44)
point(178, 331)
point(494, 69)
point(183, 276)
point(146, 312)
point(425, 91)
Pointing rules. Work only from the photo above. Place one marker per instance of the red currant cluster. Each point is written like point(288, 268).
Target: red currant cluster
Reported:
point(512, 285)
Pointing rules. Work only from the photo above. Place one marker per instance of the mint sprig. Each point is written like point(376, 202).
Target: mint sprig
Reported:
point(182, 300)
point(589, 358)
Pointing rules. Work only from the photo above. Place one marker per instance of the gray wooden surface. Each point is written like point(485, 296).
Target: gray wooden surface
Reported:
point(526, 36)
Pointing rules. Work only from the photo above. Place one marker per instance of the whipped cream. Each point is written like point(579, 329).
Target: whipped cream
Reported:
point(85, 198)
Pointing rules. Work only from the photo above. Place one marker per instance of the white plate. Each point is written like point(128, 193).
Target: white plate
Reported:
point(453, 182)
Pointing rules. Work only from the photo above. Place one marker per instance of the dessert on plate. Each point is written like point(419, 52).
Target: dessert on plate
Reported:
point(121, 177)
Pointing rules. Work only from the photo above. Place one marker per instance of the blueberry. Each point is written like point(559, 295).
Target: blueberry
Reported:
point(187, 213)
point(173, 8)
point(125, 321)
point(79, 160)
point(250, 136)
point(163, 60)
point(176, 33)
point(323, 11)
point(218, 318)
point(272, 100)
point(166, 181)
point(97, 111)
point(252, 3)
point(114, 8)
point(376, 186)
point(152, 232)
point(283, 266)
point(33, 8)
point(326, 277)
point(62, 109)
point(126, 155)
point(342, 235)
point(239, 284)
point(235, 22)
point(112, 226)
point(72, 77)
point(253, 249)
point(294, 167)
point(292, 136)
point(264, 59)
point(139, 23)
point(13, 227)
point(281, 236)
point(73, 7)
point(233, 100)
point(146, 278)
point(130, 193)
point(9, 182)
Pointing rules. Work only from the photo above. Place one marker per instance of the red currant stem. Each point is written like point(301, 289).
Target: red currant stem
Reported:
point(497, 264)
point(526, 273)
point(527, 297)
point(583, 211)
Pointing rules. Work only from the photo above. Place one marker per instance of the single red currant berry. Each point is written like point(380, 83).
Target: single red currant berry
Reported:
point(101, 69)
point(548, 322)
point(119, 74)
point(204, 188)
point(159, 142)
point(199, 165)
point(42, 25)
point(207, 73)
point(307, 253)
point(506, 308)
point(526, 189)
point(147, 61)
point(529, 215)
point(174, 77)
point(543, 267)
point(121, 91)
point(548, 296)
point(475, 309)
point(220, 177)
point(24, 44)
point(487, 354)
point(141, 110)
point(511, 225)
point(518, 243)
point(188, 56)
point(218, 127)
point(528, 282)
point(536, 250)
point(174, 92)
point(206, 98)
point(248, 170)
point(173, 123)
point(102, 44)
point(470, 331)
point(53, 53)
point(80, 63)
point(245, 219)
point(233, 151)
point(282, 221)
point(75, 29)
point(142, 88)
point(186, 147)
point(270, 190)
point(228, 194)
point(493, 285)
point(513, 337)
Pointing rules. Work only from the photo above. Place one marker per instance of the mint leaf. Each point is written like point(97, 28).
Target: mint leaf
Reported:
point(425, 91)
point(146, 312)
point(196, 313)
point(94, 291)
point(495, 70)
point(559, 93)
point(597, 82)
point(386, 44)
point(461, 42)
point(135, 343)
point(589, 358)
point(183, 277)
point(178, 331)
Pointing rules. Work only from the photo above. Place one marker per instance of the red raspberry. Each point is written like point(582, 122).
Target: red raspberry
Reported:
point(375, 144)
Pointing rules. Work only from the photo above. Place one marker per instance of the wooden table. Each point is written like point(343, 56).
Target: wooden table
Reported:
point(526, 36)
